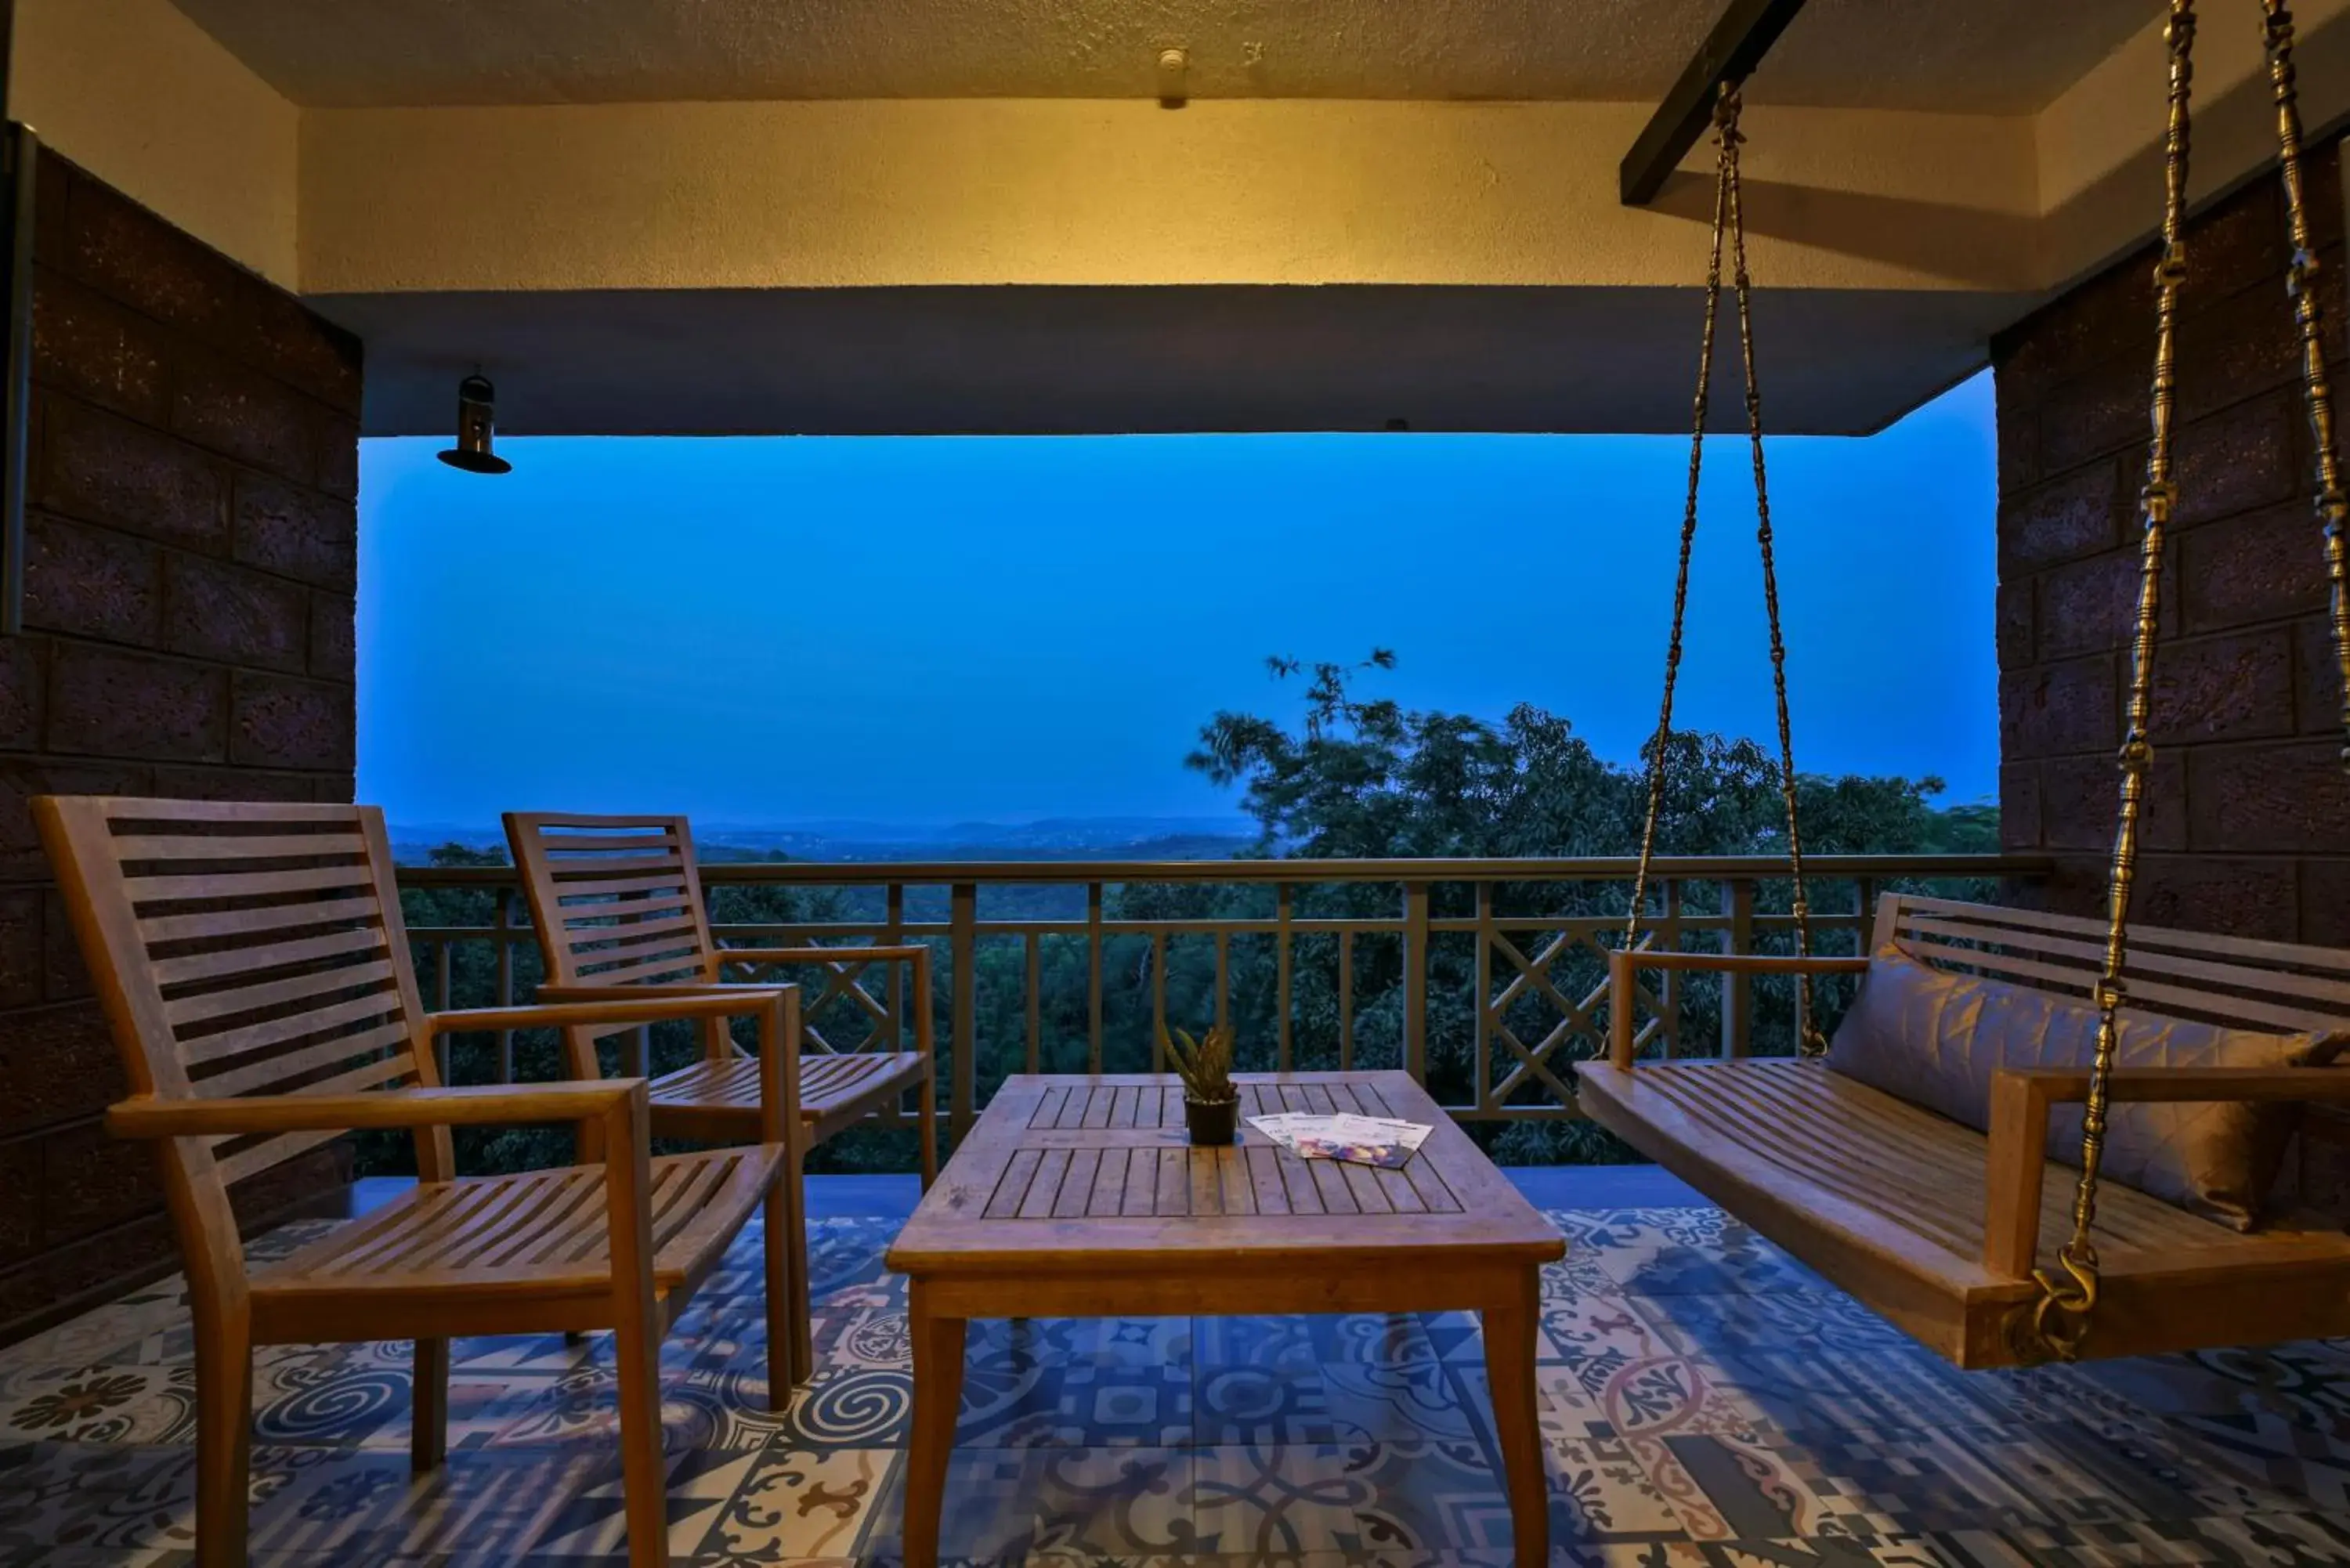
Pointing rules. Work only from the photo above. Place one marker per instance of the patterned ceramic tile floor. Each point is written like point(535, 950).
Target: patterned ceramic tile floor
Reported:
point(1706, 1401)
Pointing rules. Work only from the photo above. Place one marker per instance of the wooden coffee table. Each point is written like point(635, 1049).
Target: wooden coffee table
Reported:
point(1081, 1198)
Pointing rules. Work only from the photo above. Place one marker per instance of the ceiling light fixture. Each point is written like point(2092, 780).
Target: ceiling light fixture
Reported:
point(1174, 67)
point(476, 429)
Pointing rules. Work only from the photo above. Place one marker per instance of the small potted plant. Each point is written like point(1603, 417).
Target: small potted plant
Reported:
point(1211, 1103)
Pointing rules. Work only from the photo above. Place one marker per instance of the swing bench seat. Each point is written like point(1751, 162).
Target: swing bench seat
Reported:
point(1937, 1227)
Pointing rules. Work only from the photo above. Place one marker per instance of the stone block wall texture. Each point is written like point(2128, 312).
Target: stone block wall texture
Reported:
point(2247, 826)
point(191, 556)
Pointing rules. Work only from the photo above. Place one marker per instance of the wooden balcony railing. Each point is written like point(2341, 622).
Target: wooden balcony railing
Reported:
point(1482, 978)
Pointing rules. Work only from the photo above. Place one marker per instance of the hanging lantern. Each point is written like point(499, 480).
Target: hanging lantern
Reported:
point(476, 427)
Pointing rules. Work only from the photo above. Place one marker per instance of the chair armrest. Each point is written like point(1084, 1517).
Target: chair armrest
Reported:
point(688, 1002)
point(145, 1117)
point(1624, 965)
point(777, 1008)
point(2017, 1151)
point(700, 990)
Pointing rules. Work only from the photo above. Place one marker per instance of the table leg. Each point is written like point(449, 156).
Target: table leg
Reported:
point(938, 1400)
point(1511, 1326)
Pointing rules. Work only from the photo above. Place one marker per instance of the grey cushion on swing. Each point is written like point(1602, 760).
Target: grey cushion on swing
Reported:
point(1934, 1039)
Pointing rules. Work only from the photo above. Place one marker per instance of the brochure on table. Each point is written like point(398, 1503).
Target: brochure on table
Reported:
point(1357, 1139)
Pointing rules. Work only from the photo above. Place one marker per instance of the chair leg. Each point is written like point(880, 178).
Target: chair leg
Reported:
point(929, 1128)
point(803, 1287)
point(783, 1371)
point(791, 1329)
point(428, 1433)
point(644, 1476)
point(223, 1435)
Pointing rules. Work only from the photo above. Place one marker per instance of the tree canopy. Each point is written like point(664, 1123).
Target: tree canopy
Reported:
point(1347, 775)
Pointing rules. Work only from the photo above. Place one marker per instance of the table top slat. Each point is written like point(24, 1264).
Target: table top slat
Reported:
point(1141, 1195)
point(1337, 1198)
point(1398, 1190)
point(1363, 1182)
point(1239, 1189)
point(1076, 1184)
point(1304, 1197)
point(1108, 1199)
point(1434, 1196)
point(1174, 1189)
point(1045, 1193)
point(1207, 1190)
point(1264, 1178)
point(1012, 1190)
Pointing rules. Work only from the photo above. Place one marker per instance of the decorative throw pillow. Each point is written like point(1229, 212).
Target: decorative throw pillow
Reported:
point(1935, 1039)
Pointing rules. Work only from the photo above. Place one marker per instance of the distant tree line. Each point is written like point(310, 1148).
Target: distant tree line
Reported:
point(1347, 777)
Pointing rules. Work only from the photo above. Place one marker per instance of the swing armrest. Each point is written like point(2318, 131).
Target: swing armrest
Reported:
point(2017, 1153)
point(1624, 964)
point(2069, 1085)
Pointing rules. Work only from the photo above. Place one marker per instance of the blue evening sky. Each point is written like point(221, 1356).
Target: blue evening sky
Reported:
point(925, 630)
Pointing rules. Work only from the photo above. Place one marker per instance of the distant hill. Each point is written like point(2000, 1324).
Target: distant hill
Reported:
point(1056, 838)
point(822, 839)
point(1051, 838)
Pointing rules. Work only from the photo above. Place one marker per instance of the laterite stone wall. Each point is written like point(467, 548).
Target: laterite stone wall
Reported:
point(2246, 828)
point(188, 606)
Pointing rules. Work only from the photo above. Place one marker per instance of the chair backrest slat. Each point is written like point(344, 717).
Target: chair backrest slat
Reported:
point(306, 1062)
point(375, 973)
point(617, 900)
point(2242, 980)
point(242, 949)
point(327, 915)
point(254, 1158)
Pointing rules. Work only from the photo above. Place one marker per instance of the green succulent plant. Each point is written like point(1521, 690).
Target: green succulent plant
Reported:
point(1204, 1064)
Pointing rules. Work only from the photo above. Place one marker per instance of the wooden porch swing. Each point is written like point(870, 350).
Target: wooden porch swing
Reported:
point(1956, 1233)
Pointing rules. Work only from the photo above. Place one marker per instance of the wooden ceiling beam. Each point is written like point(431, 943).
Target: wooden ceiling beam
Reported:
point(1732, 51)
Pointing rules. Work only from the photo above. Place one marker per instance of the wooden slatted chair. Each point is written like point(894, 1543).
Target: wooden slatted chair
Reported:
point(1938, 1226)
point(252, 962)
point(616, 904)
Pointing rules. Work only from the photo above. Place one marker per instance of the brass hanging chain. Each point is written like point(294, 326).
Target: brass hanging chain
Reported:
point(1725, 120)
point(1728, 233)
point(2301, 285)
point(2059, 1318)
point(1809, 1041)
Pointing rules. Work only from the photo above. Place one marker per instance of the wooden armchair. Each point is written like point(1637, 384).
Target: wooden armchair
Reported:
point(618, 907)
point(252, 962)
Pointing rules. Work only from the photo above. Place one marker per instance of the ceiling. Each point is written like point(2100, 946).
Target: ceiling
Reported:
point(1957, 55)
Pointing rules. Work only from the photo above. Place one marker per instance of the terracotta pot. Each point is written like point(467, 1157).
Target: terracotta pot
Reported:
point(1212, 1122)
